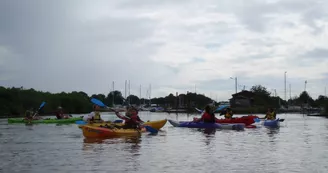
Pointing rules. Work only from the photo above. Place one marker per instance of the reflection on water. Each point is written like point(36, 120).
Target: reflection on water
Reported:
point(209, 135)
point(272, 131)
point(113, 140)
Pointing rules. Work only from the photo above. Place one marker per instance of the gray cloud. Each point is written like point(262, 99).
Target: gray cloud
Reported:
point(317, 53)
point(82, 45)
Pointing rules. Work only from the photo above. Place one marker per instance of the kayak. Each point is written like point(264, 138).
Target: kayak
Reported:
point(271, 123)
point(101, 132)
point(154, 124)
point(247, 120)
point(45, 121)
point(190, 124)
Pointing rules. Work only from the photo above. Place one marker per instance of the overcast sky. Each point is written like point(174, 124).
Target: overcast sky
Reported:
point(81, 45)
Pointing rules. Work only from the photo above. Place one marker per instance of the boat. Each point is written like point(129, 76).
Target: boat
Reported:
point(158, 124)
point(272, 123)
point(45, 121)
point(190, 124)
point(101, 132)
point(157, 109)
point(247, 120)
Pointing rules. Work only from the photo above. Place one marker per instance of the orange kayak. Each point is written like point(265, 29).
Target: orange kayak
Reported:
point(154, 124)
point(101, 132)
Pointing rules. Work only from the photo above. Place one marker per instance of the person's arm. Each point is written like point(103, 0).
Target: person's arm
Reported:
point(199, 119)
point(120, 116)
point(266, 115)
point(139, 120)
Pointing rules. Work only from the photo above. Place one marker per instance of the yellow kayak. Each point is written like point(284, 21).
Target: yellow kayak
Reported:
point(101, 132)
point(154, 124)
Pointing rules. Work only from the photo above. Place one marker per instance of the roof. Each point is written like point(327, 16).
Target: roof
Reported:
point(244, 93)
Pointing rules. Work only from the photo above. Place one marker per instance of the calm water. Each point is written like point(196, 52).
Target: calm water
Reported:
point(300, 145)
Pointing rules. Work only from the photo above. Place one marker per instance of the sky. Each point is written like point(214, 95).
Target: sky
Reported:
point(174, 46)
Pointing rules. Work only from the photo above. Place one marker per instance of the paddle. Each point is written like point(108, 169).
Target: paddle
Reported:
point(148, 128)
point(41, 106)
point(100, 103)
point(81, 122)
point(217, 109)
point(259, 119)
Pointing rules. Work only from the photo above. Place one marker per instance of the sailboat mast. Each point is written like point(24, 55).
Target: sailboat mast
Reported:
point(125, 90)
point(150, 94)
point(129, 92)
point(113, 94)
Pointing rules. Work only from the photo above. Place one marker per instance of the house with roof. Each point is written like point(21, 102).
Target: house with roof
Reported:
point(242, 99)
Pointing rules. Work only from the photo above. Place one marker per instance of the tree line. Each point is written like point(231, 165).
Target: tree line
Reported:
point(264, 97)
point(15, 101)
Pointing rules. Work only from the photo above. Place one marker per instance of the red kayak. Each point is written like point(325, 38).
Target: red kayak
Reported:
point(247, 120)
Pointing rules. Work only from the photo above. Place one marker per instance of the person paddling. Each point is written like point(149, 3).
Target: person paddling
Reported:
point(132, 119)
point(227, 113)
point(29, 114)
point(60, 114)
point(32, 114)
point(94, 116)
point(270, 115)
point(207, 117)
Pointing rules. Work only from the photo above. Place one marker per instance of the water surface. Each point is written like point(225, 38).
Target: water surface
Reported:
point(299, 145)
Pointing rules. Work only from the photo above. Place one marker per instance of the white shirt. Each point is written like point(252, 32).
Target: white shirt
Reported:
point(89, 116)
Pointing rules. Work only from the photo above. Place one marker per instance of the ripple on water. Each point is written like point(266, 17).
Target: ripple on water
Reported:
point(300, 145)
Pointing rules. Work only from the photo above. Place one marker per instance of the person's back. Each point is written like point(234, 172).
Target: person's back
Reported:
point(208, 116)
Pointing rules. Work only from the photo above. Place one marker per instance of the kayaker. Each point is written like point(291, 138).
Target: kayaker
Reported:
point(94, 116)
point(131, 118)
point(28, 115)
point(32, 114)
point(207, 117)
point(270, 115)
point(227, 113)
point(60, 114)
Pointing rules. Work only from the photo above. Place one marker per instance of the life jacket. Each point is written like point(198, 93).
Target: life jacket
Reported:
point(97, 116)
point(228, 115)
point(208, 118)
point(132, 121)
point(270, 116)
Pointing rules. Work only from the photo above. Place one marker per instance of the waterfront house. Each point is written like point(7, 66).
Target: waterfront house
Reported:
point(242, 99)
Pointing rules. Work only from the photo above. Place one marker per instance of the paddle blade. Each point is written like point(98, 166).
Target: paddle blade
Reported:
point(80, 122)
point(151, 130)
point(118, 121)
point(200, 111)
point(221, 108)
point(42, 104)
point(281, 120)
point(98, 102)
point(257, 120)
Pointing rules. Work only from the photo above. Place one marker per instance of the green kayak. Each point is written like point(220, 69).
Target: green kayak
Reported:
point(46, 120)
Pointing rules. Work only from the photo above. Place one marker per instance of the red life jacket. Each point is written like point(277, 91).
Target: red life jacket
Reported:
point(208, 118)
point(133, 120)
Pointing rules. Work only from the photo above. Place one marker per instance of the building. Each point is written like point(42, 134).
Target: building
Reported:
point(242, 99)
